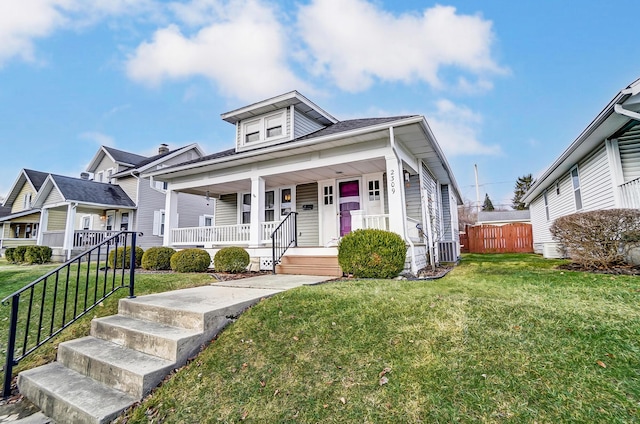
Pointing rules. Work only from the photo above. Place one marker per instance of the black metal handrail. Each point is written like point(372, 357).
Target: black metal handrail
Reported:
point(283, 237)
point(50, 309)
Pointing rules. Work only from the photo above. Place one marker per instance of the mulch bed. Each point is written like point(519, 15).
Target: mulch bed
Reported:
point(617, 270)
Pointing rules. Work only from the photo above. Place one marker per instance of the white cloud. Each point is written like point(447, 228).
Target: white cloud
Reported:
point(23, 22)
point(457, 130)
point(355, 42)
point(99, 138)
point(244, 51)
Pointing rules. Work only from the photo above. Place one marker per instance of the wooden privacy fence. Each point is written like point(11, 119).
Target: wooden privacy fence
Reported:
point(509, 238)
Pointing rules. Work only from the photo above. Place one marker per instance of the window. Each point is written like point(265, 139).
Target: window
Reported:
point(328, 195)
point(206, 220)
point(269, 206)
point(557, 188)
point(273, 125)
point(374, 190)
point(26, 201)
point(86, 222)
point(575, 178)
point(124, 222)
point(109, 173)
point(285, 201)
point(546, 204)
point(100, 176)
point(252, 131)
point(263, 129)
point(246, 208)
point(158, 223)
point(160, 185)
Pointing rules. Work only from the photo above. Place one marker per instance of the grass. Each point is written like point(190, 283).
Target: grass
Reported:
point(13, 277)
point(502, 338)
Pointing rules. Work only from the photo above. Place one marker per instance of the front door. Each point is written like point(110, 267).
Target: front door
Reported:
point(349, 193)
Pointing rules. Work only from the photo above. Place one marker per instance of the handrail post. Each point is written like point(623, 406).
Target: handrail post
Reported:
point(295, 229)
point(132, 266)
point(11, 345)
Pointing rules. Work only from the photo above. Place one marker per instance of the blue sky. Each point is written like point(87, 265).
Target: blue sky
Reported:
point(507, 85)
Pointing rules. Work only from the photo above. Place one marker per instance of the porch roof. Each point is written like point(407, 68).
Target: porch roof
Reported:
point(9, 217)
point(84, 191)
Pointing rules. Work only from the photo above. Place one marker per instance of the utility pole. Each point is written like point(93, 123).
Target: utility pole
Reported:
point(477, 189)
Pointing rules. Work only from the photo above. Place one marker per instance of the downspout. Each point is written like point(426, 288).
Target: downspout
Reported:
point(626, 112)
point(414, 267)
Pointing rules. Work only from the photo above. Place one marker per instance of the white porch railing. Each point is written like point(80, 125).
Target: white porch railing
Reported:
point(630, 194)
point(83, 239)
point(377, 222)
point(222, 234)
point(266, 229)
point(53, 238)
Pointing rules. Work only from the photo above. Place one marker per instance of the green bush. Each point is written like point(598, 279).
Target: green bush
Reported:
point(115, 257)
point(597, 239)
point(190, 260)
point(157, 258)
point(231, 259)
point(18, 254)
point(9, 254)
point(372, 254)
point(37, 254)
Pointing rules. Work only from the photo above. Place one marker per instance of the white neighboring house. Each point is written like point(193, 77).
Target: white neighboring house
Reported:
point(599, 170)
point(293, 160)
point(79, 212)
point(503, 217)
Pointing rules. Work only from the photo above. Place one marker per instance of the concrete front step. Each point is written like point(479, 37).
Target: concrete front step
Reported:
point(164, 341)
point(124, 369)
point(309, 265)
point(85, 399)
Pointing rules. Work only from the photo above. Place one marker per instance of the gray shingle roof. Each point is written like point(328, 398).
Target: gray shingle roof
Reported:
point(5, 211)
point(124, 157)
point(79, 190)
point(338, 127)
point(502, 216)
point(37, 178)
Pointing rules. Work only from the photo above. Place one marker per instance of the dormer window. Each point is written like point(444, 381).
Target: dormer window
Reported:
point(266, 128)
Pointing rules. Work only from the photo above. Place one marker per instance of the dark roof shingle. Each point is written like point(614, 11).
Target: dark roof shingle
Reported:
point(37, 178)
point(79, 190)
point(124, 157)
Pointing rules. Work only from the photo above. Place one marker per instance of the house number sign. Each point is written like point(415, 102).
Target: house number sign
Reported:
point(392, 181)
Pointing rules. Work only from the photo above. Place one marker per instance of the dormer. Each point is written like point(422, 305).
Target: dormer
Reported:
point(276, 120)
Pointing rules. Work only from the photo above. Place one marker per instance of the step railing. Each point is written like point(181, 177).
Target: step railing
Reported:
point(284, 236)
point(43, 308)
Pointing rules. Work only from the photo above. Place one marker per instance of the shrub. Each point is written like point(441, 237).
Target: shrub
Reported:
point(231, 259)
point(190, 260)
point(596, 239)
point(9, 254)
point(37, 254)
point(18, 254)
point(157, 258)
point(372, 254)
point(115, 257)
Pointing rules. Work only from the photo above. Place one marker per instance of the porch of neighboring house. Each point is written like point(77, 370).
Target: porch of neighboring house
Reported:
point(324, 203)
point(72, 229)
point(19, 230)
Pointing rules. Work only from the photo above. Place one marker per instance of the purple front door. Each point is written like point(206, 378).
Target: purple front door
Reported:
point(349, 192)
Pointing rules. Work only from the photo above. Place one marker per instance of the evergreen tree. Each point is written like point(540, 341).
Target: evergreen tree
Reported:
point(523, 184)
point(487, 206)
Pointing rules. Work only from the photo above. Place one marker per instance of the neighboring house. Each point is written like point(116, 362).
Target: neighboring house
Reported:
point(504, 217)
point(78, 212)
point(599, 170)
point(292, 156)
point(19, 218)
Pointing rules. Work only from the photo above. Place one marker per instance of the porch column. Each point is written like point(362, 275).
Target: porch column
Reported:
point(43, 225)
point(395, 191)
point(257, 211)
point(170, 216)
point(69, 229)
point(615, 165)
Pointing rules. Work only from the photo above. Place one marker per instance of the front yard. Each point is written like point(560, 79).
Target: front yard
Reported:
point(502, 338)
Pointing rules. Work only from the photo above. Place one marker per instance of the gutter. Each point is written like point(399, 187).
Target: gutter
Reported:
point(626, 112)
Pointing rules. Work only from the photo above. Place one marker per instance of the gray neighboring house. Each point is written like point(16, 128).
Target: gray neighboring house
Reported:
point(599, 170)
point(503, 217)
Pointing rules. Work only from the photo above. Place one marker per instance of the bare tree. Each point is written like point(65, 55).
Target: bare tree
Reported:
point(467, 214)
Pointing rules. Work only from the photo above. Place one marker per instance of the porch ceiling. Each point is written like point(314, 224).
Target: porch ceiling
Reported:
point(341, 171)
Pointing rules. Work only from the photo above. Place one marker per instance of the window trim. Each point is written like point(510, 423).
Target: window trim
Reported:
point(263, 129)
point(546, 204)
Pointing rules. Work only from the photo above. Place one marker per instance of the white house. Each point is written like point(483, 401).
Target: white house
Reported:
point(298, 172)
point(599, 170)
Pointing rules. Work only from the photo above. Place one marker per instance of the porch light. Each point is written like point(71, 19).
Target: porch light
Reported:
point(407, 176)
point(207, 197)
point(287, 197)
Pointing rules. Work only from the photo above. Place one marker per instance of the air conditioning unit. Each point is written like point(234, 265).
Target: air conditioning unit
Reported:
point(552, 251)
point(448, 251)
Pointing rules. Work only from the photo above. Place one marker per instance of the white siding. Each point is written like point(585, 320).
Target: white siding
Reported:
point(446, 212)
point(130, 186)
point(150, 200)
point(227, 210)
point(430, 187)
point(303, 125)
point(412, 198)
point(53, 197)
point(595, 181)
point(183, 157)
point(539, 224)
point(307, 194)
point(629, 146)
point(104, 164)
point(191, 207)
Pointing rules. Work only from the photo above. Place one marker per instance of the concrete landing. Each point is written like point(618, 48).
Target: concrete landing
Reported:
point(275, 282)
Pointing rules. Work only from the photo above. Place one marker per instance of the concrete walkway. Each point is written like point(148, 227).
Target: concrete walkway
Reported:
point(204, 309)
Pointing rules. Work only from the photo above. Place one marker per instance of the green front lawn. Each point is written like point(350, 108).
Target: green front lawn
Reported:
point(502, 338)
